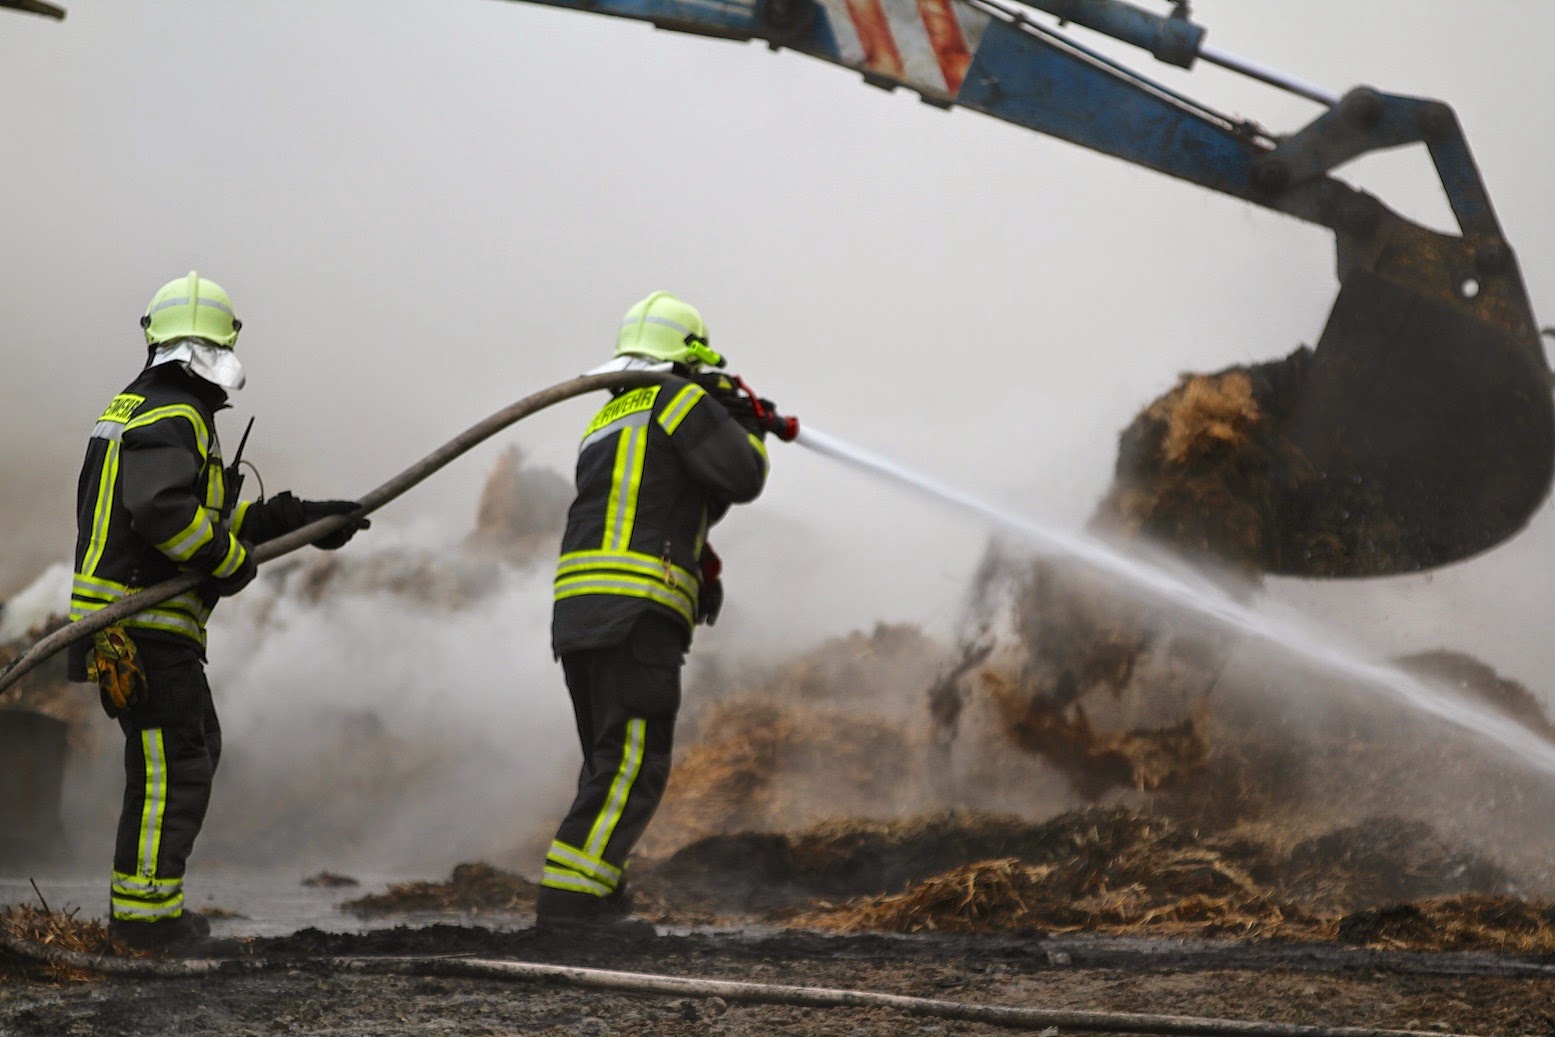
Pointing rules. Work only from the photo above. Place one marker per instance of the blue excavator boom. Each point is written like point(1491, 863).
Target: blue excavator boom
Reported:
point(1424, 416)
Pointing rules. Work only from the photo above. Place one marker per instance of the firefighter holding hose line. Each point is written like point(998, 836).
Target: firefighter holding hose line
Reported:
point(154, 500)
point(656, 468)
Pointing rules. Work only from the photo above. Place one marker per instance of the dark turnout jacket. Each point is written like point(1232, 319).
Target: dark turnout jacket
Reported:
point(150, 503)
point(657, 466)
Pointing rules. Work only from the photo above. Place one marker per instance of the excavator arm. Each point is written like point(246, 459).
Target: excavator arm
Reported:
point(1424, 416)
point(36, 7)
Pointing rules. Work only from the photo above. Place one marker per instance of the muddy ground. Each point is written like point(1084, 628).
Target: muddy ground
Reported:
point(1295, 983)
point(301, 991)
point(1102, 933)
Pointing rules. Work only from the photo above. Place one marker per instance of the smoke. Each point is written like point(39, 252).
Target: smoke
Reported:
point(985, 302)
point(45, 598)
point(36, 513)
point(988, 304)
point(403, 722)
point(392, 706)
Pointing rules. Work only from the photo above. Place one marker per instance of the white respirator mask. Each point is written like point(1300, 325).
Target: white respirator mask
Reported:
point(205, 360)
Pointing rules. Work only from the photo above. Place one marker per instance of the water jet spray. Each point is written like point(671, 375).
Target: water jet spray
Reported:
point(1202, 599)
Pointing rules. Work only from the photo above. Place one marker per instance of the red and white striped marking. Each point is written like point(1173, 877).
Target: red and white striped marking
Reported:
point(923, 44)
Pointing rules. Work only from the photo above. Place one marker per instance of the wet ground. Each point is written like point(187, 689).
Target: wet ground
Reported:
point(1194, 932)
point(310, 966)
point(307, 989)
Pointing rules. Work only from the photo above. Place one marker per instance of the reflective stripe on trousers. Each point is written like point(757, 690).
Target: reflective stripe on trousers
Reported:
point(142, 896)
point(584, 869)
point(172, 747)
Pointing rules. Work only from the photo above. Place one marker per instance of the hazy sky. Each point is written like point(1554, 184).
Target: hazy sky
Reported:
point(425, 210)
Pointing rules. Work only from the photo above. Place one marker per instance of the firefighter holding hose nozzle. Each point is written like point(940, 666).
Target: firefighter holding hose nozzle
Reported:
point(153, 501)
point(656, 468)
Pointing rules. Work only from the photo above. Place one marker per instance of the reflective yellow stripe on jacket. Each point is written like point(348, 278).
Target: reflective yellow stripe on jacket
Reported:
point(630, 573)
point(184, 615)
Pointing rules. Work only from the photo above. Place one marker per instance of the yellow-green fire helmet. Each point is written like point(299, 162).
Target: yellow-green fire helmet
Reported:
point(191, 307)
point(665, 328)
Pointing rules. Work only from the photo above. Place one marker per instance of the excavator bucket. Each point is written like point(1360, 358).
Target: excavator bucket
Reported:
point(1427, 425)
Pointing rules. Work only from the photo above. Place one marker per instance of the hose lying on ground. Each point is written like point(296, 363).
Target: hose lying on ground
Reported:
point(88, 625)
point(729, 990)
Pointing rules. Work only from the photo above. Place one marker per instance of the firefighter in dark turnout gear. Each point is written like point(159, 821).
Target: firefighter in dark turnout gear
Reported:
point(657, 466)
point(153, 501)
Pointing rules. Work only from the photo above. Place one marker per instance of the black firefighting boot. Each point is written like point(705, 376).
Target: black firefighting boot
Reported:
point(559, 910)
point(619, 903)
point(187, 935)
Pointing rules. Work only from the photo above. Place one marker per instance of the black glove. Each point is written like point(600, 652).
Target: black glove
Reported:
point(226, 586)
point(710, 600)
point(285, 512)
point(756, 415)
point(313, 510)
point(743, 410)
point(769, 420)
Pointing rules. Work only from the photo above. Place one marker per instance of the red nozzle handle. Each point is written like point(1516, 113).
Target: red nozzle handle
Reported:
point(785, 428)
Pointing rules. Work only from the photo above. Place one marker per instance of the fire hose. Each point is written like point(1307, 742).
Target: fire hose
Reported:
point(1011, 1017)
point(90, 624)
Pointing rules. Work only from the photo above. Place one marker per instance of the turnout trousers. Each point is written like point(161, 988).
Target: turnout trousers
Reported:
point(172, 744)
point(625, 698)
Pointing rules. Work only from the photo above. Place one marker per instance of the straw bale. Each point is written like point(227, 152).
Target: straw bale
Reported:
point(1461, 923)
point(521, 510)
point(1009, 896)
point(61, 929)
point(1113, 871)
point(1211, 468)
point(759, 764)
point(850, 857)
point(1204, 415)
point(1114, 693)
point(1384, 860)
point(1095, 760)
point(1198, 469)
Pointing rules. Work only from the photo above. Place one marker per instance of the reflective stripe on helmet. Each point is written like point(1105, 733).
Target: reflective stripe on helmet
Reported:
point(673, 325)
point(203, 300)
point(665, 328)
point(191, 306)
